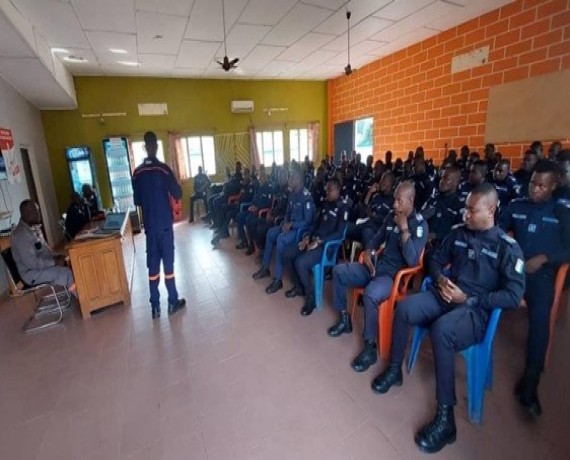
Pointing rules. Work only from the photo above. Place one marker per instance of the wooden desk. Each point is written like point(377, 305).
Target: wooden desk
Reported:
point(103, 269)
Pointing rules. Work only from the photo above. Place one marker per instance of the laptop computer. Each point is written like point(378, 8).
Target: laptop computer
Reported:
point(113, 223)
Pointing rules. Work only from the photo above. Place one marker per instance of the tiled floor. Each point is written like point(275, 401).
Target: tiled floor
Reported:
point(241, 375)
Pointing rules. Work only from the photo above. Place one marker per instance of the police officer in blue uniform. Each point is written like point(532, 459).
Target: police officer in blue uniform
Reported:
point(329, 225)
point(477, 175)
point(405, 234)
point(262, 199)
point(379, 202)
point(300, 213)
point(153, 185)
point(423, 183)
point(487, 272)
point(524, 174)
point(541, 225)
point(505, 183)
point(443, 210)
point(318, 188)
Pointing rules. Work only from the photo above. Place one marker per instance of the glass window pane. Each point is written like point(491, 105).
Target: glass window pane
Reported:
point(294, 144)
point(363, 139)
point(194, 145)
point(303, 143)
point(209, 153)
point(267, 142)
point(278, 146)
point(185, 152)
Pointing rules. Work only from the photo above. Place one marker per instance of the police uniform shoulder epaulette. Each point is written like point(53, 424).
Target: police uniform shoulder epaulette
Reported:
point(306, 192)
point(523, 199)
point(564, 202)
point(458, 226)
point(507, 238)
point(419, 217)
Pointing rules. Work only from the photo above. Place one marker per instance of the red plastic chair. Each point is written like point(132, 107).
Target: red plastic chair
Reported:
point(386, 308)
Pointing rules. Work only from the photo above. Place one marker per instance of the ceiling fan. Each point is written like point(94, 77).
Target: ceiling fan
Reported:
point(348, 68)
point(226, 63)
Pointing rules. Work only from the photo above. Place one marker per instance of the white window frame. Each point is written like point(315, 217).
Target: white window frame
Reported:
point(209, 161)
point(301, 153)
point(260, 146)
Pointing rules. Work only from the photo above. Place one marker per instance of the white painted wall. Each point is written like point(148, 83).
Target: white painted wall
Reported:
point(24, 120)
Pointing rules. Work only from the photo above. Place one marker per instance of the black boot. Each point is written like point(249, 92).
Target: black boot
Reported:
point(366, 358)
point(526, 392)
point(241, 245)
point(274, 286)
point(439, 432)
point(294, 292)
point(179, 305)
point(391, 376)
point(261, 273)
point(343, 326)
point(155, 311)
point(309, 306)
point(250, 251)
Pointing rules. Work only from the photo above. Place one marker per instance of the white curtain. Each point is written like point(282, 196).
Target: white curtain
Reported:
point(314, 139)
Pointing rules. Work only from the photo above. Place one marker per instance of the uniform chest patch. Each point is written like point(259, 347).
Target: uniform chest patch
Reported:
point(471, 254)
point(531, 228)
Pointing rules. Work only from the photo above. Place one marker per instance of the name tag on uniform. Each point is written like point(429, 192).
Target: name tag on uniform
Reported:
point(491, 254)
point(519, 216)
point(531, 228)
point(550, 220)
point(389, 228)
point(420, 231)
point(308, 205)
point(471, 254)
point(461, 244)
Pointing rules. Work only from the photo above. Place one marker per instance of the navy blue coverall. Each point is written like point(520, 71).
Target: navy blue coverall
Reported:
point(488, 267)
point(262, 199)
point(153, 185)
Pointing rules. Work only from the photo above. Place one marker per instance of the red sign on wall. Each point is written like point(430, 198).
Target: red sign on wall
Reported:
point(6, 140)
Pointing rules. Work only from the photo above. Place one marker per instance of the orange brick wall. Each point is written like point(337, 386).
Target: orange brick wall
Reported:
point(415, 100)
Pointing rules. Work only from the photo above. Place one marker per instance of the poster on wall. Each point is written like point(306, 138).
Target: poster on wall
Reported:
point(9, 166)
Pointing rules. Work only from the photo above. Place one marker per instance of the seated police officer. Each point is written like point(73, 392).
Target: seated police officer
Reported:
point(505, 183)
point(541, 225)
point(329, 225)
point(299, 215)
point(201, 184)
point(35, 260)
point(524, 174)
point(477, 175)
point(423, 183)
point(77, 216)
point(443, 210)
point(404, 234)
point(487, 272)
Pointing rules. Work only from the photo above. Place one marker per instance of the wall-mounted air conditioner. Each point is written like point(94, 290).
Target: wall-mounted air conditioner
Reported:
point(242, 106)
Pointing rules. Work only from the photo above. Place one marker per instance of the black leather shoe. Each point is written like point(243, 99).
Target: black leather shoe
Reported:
point(215, 240)
point(274, 286)
point(294, 292)
point(155, 312)
point(308, 307)
point(391, 376)
point(241, 245)
point(261, 273)
point(249, 251)
point(439, 432)
point(526, 392)
point(366, 358)
point(343, 326)
point(179, 305)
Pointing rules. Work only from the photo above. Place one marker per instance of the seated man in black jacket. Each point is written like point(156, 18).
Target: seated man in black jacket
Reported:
point(78, 215)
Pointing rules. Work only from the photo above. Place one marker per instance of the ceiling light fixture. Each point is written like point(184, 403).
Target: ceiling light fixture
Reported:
point(60, 50)
point(75, 59)
point(129, 63)
point(118, 51)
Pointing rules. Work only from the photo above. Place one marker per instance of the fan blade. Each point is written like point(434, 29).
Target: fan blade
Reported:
point(219, 62)
point(233, 62)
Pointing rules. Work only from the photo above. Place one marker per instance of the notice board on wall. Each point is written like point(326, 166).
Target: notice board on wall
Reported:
point(535, 108)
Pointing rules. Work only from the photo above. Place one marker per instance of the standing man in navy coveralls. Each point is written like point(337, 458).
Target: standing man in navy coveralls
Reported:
point(405, 234)
point(153, 184)
point(541, 225)
point(487, 272)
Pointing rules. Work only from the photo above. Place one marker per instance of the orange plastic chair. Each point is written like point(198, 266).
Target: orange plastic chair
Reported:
point(386, 308)
point(234, 199)
point(555, 312)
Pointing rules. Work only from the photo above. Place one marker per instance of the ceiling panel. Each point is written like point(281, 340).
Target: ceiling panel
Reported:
point(156, 61)
point(264, 12)
point(262, 55)
point(103, 42)
point(365, 29)
point(305, 46)
point(243, 38)
point(399, 9)
point(56, 21)
point(359, 9)
point(329, 4)
point(298, 22)
point(196, 54)
point(159, 33)
point(188, 73)
point(11, 43)
point(206, 19)
point(106, 15)
point(173, 7)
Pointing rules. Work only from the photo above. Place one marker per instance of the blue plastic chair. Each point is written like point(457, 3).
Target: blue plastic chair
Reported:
point(478, 359)
point(330, 252)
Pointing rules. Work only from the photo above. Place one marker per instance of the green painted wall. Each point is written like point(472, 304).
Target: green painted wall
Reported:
point(194, 107)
